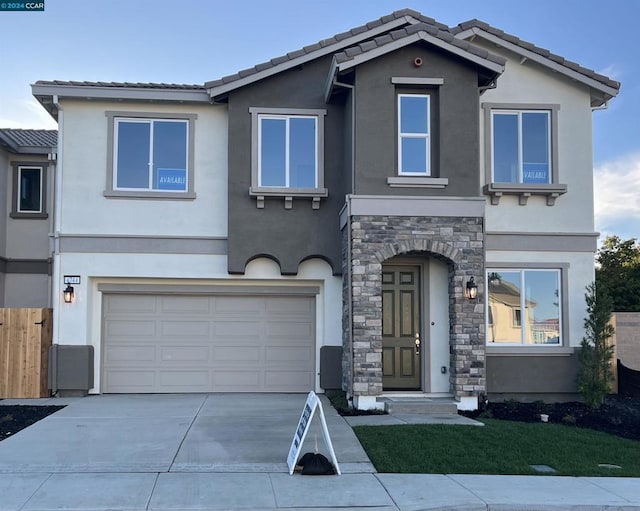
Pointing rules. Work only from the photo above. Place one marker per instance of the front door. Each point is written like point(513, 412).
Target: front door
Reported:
point(401, 341)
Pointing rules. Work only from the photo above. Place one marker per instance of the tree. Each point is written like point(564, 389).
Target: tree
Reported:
point(618, 272)
point(595, 373)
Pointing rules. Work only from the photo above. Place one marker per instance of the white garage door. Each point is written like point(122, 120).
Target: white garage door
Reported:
point(176, 343)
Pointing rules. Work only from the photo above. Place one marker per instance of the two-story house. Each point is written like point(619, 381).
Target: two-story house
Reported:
point(405, 207)
point(27, 163)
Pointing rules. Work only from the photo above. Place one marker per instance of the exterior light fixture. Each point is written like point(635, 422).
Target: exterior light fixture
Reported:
point(471, 291)
point(68, 294)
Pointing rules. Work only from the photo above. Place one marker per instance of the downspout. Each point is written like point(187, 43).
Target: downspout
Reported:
point(348, 227)
point(57, 222)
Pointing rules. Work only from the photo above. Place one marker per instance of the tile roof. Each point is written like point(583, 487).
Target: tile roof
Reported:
point(395, 35)
point(589, 73)
point(133, 85)
point(396, 15)
point(19, 140)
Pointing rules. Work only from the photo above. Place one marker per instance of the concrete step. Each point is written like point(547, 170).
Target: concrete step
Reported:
point(419, 405)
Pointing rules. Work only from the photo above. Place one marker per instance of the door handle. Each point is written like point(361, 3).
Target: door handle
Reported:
point(417, 343)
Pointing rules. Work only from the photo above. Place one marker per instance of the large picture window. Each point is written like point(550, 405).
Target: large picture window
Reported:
point(524, 307)
point(521, 147)
point(414, 146)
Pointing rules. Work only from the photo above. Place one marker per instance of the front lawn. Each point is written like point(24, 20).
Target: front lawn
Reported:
point(500, 447)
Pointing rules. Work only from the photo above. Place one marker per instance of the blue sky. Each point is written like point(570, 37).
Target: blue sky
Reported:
point(193, 41)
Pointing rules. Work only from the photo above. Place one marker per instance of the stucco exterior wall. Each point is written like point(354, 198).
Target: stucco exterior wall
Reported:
point(529, 83)
point(26, 290)
point(84, 175)
point(5, 197)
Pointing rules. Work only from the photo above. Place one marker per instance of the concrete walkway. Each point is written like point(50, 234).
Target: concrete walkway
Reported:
point(228, 451)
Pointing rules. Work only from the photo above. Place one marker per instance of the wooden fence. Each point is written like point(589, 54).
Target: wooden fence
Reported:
point(25, 338)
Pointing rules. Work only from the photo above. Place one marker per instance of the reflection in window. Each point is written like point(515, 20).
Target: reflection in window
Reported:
point(413, 137)
point(524, 307)
point(29, 190)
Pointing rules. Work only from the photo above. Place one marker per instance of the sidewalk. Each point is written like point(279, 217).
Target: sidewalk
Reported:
point(226, 452)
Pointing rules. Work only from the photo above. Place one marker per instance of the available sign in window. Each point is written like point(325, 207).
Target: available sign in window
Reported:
point(172, 179)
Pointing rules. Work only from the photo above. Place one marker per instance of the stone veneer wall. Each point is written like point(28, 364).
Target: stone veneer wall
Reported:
point(459, 242)
point(346, 325)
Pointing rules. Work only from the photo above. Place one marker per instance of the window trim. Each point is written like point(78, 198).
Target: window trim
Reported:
point(401, 136)
point(15, 202)
point(553, 189)
point(564, 347)
point(260, 192)
point(112, 192)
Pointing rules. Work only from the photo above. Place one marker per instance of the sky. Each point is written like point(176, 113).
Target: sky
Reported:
point(194, 41)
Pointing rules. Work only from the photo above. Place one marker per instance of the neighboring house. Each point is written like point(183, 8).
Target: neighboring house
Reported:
point(27, 163)
point(332, 205)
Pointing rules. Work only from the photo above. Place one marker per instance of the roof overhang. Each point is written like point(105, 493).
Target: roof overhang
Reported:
point(46, 94)
point(600, 92)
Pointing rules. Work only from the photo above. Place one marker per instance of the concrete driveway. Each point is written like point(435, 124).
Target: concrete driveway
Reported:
point(176, 433)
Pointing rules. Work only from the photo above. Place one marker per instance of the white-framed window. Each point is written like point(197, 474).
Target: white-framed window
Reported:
point(151, 154)
point(521, 146)
point(414, 129)
point(30, 190)
point(288, 151)
point(524, 307)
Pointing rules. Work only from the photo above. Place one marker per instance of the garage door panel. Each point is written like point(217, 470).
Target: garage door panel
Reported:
point(195, 305)
point(185, 329)
point(237, 354)
point(133, 304)
point(130, 354)
point(174, 343)
point(195, 354)
point(131, 328)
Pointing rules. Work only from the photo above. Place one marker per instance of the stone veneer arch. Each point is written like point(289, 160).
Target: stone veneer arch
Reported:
point(376, 239)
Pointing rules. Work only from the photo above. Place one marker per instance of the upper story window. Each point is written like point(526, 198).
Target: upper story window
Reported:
point(288, 149)
point(524, 307)
point(150, 156)
point(287, 154)
point(521, 151)
point(29, 191)
point(521, 147)
point(414, 144)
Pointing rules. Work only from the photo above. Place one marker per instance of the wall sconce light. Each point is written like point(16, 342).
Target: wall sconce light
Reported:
point(68, 294)
point(471, 291)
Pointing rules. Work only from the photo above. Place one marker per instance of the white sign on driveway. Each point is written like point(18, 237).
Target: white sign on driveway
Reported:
point(313, 403)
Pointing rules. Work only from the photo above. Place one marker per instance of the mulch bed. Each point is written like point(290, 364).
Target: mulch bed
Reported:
point(619, 415)
point(13, 418)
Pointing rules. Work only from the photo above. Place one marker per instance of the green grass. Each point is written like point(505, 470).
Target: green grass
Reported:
point(500, 447)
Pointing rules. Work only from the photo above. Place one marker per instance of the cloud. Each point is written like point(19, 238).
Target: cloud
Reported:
point(25, 114)
point(617, 185)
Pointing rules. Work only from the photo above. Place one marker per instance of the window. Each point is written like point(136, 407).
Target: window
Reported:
point(524, 307)
point(414, 147)
point(150, 155)
point(288, 148)
point(521, 147)
point(29, 191)
point(287, 154)
point(521, 151)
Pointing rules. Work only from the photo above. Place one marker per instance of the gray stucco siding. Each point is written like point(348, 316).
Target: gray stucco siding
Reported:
point(286, 235)
point(454, 121)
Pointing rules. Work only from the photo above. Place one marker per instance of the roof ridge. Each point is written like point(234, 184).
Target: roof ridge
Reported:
point(543, 52)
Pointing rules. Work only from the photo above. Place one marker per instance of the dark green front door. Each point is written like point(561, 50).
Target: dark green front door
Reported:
point(401, 327)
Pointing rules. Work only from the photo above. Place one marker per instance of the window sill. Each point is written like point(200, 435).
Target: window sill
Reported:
point(29, 216)
point(121, 194)
point(528, 351)
point(524, 191)
point(288, 194)
point(417, 182)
